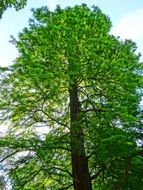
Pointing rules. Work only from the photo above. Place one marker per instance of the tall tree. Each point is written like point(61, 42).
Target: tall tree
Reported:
point(85, 86)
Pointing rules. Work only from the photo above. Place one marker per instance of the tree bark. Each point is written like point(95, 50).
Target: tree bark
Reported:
point(80, 172)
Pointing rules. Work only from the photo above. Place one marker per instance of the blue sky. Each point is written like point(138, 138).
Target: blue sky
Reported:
point(126, 16)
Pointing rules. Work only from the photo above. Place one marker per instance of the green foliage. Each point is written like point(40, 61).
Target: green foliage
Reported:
point(17, 4)
point(58, 49)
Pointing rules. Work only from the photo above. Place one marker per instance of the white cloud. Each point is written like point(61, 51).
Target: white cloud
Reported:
point(52, 5)
point(4, 62)
point(130, 26)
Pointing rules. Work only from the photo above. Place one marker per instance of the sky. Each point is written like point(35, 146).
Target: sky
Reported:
point(126, 17)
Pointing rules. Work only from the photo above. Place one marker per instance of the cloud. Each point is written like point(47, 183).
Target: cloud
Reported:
point(4, 62)
point(130, 26)
point(52, 5)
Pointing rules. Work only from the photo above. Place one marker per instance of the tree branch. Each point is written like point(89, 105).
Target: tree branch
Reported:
point(53, 119)
point(127, 168)
point(8, 156)
point(64, 188)
point(98, 173)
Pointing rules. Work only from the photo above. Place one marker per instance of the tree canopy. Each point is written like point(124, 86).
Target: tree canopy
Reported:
point(85, 86)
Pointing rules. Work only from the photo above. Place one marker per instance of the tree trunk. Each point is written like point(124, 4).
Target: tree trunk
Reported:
point(80, 172)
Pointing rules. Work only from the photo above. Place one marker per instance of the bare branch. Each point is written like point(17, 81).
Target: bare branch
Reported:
point(8, 156)
point(64, 188)
point(53, 119)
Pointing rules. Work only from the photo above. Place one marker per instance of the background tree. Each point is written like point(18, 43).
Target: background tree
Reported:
point(17, 4)
point(85, 86)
